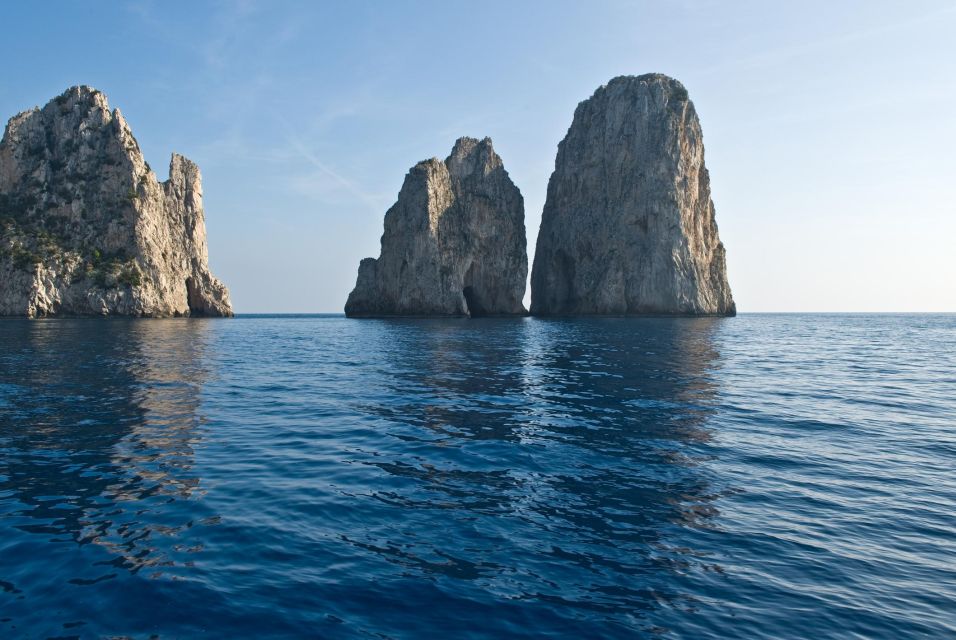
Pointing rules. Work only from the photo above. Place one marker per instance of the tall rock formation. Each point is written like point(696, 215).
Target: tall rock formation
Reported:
point(85, 226)
point(454, 242)
point(628, 226)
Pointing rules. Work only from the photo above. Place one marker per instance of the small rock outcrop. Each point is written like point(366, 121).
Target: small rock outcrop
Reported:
point(454, 242)
point(85, 226)
point(628, 225)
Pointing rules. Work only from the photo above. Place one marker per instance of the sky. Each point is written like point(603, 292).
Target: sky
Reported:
point(829, 127)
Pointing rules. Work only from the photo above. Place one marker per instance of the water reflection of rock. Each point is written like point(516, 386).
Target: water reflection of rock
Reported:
point(433, 364)
point(99, 420)
point(582, 439)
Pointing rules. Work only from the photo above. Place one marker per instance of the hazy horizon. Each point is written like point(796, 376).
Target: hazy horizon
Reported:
point(828, 128)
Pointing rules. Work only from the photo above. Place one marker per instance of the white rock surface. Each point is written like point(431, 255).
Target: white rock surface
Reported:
point(628, 226)
point(85, 226)
point(454, 242)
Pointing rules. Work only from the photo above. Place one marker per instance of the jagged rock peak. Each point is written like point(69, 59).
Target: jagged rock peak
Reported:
point(470, 156)
point(454, 242)
point(628, 225)
point(87, 229)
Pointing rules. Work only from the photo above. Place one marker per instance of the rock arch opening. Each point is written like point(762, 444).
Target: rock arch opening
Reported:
point(473, 302)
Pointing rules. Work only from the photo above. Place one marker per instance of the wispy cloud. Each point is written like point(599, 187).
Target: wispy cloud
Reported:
point(372, 201)
point(776, 56)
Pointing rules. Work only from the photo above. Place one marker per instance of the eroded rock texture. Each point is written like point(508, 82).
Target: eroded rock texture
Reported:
point(85, 226)
point(628, 226)
point(454, 242)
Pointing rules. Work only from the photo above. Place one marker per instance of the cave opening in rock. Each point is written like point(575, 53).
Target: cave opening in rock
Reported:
point(194, 298)
point(473, 302)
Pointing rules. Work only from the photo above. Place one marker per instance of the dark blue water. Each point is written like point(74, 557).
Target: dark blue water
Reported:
point(787, 476)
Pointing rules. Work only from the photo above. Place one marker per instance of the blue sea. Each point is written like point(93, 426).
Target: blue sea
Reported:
point(765, 476)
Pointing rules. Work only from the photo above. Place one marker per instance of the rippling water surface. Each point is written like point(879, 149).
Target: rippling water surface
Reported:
point(760, 477)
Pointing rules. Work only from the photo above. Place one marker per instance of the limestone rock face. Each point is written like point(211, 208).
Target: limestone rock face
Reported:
point(628, 226)
point(85, 226)
point(454, 242)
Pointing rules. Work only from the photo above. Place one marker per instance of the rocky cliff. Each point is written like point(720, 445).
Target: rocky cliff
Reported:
point(85, 226)
point(628, 225)
point(454, 242)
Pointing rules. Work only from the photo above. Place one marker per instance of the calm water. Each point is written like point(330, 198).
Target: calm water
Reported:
point(761, 477)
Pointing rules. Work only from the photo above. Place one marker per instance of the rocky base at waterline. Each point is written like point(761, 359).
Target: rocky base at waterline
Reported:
point(628, 225)
point(454, 242)
point(85, 226)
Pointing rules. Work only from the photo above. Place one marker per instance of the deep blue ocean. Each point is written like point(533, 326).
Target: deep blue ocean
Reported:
point(765, 476)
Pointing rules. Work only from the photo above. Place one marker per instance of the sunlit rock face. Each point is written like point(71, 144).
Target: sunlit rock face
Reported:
point(85, 226)
point(628, 226)
point(454, 242)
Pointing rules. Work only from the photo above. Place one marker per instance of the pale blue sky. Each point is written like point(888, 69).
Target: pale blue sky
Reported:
point(830, 127)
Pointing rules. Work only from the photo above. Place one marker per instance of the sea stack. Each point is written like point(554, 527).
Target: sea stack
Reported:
point(454, 242)
point(628, 225)
point(87, 229)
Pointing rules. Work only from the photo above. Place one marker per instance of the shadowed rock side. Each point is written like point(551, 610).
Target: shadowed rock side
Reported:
point(85, 226)
point(454, 242)
point(628, 226)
